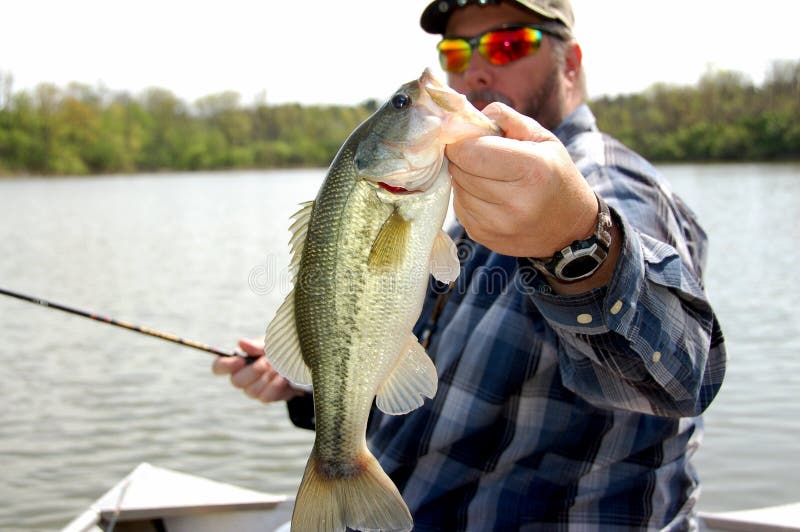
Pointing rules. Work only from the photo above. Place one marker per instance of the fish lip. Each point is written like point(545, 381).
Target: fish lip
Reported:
point(399, 191)
point(422, 180)
point(427, 77)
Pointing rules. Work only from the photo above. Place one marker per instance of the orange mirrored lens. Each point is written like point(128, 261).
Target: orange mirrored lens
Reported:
point(503, 46)
point(497, 46)
point(454, 54)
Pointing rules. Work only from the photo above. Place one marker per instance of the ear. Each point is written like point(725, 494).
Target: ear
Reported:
point(572, 61)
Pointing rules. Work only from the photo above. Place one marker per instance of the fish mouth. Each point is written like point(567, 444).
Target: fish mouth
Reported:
point(397, 190)
point(410, 181)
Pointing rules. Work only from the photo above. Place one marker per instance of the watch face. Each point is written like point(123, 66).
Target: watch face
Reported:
point(579, 267)
point(583, 257)
point(579, 261)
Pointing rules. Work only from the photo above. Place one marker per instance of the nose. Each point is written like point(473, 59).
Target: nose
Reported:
point(479, 73)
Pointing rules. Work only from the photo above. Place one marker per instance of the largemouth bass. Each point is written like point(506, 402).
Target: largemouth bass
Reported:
point(361, 255)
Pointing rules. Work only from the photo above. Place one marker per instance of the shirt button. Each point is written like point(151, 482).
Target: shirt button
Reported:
point(584, 319)
point(616, 307)
point(656, 356)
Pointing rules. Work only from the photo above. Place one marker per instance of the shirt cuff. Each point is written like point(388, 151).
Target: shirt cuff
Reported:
point(610, 307)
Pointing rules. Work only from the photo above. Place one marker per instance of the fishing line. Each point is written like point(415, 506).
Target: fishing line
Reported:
point(129, 326)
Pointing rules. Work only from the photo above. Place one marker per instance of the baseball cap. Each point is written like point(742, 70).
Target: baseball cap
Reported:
point(434, 18)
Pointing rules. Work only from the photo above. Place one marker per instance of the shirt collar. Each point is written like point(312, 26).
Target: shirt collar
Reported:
point(578, 121)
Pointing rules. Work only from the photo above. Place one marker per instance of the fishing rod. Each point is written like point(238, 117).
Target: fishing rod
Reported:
point(129, 326)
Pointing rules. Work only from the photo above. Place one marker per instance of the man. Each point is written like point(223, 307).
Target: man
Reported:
point(578, 345)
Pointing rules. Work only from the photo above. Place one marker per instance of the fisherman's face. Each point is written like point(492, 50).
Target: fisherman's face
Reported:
point(532, 85)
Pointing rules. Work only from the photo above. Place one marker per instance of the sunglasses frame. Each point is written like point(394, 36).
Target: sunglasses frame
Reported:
point(554, 29)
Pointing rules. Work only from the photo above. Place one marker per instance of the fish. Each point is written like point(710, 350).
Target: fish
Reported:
point(361, 255)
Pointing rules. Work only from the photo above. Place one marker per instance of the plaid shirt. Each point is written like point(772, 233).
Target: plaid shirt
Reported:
point(567, 412)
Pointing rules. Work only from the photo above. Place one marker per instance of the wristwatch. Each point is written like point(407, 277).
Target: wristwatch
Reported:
point(582, 258)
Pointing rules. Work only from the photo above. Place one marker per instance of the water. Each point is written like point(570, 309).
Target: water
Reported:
point(752, 216)
point(205, 256)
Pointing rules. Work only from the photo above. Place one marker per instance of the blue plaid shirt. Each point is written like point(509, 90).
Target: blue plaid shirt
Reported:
point(567, 412)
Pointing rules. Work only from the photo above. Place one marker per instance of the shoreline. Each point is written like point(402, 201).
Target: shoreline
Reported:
point(167, 171)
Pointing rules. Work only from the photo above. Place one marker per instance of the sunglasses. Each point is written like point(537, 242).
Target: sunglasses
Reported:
point(499, 46)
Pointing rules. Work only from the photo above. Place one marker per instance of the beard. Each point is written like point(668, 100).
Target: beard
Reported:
point(543, 104)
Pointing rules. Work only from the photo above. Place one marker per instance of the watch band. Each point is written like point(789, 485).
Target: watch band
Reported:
point(583, 257)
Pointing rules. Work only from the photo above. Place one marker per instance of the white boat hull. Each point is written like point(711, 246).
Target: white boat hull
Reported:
point(168, 500)
point(154, 498)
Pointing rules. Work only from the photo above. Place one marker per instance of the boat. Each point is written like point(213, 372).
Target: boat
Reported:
point(157, 499)
point(781, 518)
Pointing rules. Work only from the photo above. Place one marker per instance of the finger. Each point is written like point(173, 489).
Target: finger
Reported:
point(254, 347)
point(257, 387)
point(469, 155)
point(275, 388)
point(477, 188)
point(227, 365)
point(280, 391)
point(250, 374)
point(477, 226)
point(493, 159)
point(465, 217)
point(516, 125)
point(469, 205)
point(272, 387)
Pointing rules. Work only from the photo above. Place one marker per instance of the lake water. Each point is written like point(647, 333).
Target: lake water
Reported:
point(204, 256)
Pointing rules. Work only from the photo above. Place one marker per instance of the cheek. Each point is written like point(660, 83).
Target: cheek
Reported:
point(457, 83)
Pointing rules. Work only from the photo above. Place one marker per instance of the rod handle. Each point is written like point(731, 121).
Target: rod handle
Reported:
point(248, 359)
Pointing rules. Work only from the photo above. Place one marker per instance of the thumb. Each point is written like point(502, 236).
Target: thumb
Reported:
point(516, 125)
point(252, 347)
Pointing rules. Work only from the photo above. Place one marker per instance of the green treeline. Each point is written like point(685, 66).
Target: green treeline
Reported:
point(85, 130)
point(723, 118)
point(81, 130)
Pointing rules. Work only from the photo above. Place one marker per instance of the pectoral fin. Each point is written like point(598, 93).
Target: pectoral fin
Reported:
point(444, 265)
point(414, 376)
point(391, 244)
point(282, 345)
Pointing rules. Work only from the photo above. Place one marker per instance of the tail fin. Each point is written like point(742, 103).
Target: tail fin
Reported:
point(366, 500)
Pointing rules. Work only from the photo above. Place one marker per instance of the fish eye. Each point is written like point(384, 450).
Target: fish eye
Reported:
point(401, 101)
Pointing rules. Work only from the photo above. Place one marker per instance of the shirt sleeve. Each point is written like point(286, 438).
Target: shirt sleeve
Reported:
point(648, 341)
point(301, 411)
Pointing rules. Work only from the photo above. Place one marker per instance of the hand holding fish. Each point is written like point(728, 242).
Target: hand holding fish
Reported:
point(259, 380)
point(520, 194)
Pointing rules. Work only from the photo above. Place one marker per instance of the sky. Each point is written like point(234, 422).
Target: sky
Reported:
point(348, 51)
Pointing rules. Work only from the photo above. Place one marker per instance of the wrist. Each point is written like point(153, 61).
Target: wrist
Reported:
point(582, 258)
